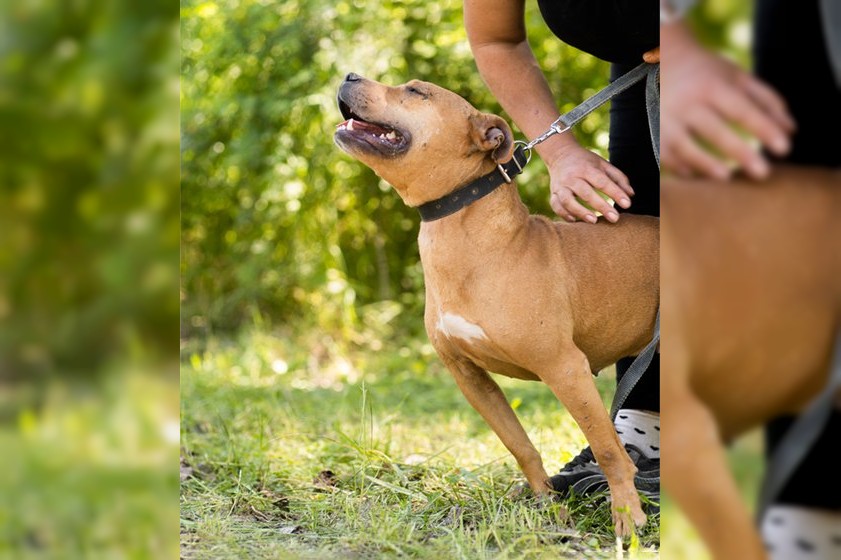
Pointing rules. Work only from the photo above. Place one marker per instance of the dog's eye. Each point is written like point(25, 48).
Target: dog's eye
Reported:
point(416, 91)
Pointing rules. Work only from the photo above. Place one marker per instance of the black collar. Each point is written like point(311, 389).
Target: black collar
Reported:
point(473, 191)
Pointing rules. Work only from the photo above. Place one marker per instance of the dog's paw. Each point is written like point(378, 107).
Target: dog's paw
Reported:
point(524, 491)
point(623, 525)
point(521, 491)
point(626, 520)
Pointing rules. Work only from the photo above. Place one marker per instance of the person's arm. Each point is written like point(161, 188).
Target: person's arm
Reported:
point(705, 101)
point(497, 36)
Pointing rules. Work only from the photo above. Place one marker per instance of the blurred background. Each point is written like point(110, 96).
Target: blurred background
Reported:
point(89, 230)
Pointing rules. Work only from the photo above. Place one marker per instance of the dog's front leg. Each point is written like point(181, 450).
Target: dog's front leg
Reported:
point(571, 380)
point(696, 473)
point(487, 398)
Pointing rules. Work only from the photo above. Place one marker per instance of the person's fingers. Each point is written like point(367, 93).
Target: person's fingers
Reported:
point(671, 155)
point(678, 169)
point(586, 193)
point(581, 212)
point(736, 106)
point(555, 201)
point(571, 207)
point(668, 159)
point(705, 124)
point(683, 171)
point(558, 208)
point(697, 159)
point(606, 184)
point(652, 56)
point(773, 102)
point(582, 174)
point(619, 178)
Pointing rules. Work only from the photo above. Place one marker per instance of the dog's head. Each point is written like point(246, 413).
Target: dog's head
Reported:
point(424, 140)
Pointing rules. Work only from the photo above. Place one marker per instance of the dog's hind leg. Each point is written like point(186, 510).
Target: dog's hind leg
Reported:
point(572, 382)
point(487, 398)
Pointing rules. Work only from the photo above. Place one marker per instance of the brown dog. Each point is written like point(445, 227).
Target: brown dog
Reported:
point(508, 292)
point(751, 305)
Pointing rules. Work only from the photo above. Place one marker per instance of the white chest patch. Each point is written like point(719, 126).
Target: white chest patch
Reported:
point(455, 326)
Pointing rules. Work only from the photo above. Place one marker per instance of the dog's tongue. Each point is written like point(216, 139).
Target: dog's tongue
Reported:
point(370, 128)
point(356, 124)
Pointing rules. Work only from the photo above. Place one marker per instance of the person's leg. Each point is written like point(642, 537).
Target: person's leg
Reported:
point(638, 421)
point(631, 151)
point(630, 146)
point(805, 521)
point(820, 465)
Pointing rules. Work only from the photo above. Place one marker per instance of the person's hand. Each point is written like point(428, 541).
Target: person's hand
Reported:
point(652, 56)
point(708, 105)
point(578, 172)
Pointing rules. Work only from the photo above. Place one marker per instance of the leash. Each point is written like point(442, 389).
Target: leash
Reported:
point(634, 373)
point(831, 18)
point(800, 437)
point(617, 86)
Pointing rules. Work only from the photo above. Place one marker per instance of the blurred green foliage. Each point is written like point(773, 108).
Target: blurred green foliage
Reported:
point(89, 173)
point(280, 226)
point(724, 26)
point(92, 474)
point(89, 230)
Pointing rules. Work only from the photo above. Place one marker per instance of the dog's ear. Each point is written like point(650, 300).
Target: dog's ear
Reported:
point(491, 133)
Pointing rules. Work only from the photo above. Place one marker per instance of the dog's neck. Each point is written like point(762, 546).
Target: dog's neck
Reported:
point(479, 226)
point(474, 189)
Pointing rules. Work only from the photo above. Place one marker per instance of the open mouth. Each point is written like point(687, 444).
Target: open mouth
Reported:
point(370, 136)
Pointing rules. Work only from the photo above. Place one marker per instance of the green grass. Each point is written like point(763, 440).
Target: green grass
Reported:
point(89, 471)
point(296, 446)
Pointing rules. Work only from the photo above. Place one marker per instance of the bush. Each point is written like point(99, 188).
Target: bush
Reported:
point(278, 223)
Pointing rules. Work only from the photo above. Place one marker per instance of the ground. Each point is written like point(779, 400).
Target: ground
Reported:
point(301, 447)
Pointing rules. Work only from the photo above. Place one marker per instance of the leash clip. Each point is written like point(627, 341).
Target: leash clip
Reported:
point(573, 117)
point(557, 127)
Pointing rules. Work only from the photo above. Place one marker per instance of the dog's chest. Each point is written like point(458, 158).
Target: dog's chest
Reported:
point(455, 315)
point(459, 337)
point(454, 326)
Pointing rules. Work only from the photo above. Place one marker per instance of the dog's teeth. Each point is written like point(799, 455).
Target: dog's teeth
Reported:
point(391, 135)
point(349, 124)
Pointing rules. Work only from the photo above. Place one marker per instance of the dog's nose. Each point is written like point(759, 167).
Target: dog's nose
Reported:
point(352, 77)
